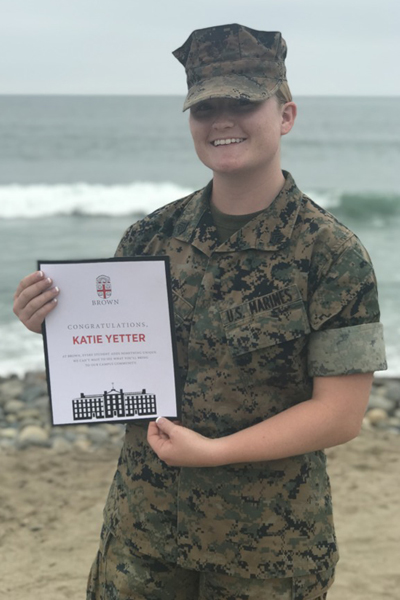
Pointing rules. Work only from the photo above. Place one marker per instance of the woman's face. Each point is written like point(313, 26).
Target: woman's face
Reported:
point(236, 136)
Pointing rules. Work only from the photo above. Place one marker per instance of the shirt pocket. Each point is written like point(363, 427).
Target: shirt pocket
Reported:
point(183, 310)
point(269, 350)
point(183, 315)
point(264, 328)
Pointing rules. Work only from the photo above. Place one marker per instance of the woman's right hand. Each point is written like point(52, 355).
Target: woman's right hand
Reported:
point(34, 298)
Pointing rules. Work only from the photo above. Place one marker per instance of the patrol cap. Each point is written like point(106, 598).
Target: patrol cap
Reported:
point(233, 61)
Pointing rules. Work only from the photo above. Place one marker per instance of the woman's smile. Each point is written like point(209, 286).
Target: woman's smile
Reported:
point(227, 141)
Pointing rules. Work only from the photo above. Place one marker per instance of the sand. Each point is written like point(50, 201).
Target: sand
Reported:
point(51, 512)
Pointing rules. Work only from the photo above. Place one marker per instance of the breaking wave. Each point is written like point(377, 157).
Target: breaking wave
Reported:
point(81, 199)
point(141, 198)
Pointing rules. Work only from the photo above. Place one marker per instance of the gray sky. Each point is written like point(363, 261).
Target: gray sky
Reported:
point(340, 47)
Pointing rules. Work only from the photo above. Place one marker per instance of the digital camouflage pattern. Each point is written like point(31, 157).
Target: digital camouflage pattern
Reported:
point(257, 317)
point(120, 574)
point(233, 61)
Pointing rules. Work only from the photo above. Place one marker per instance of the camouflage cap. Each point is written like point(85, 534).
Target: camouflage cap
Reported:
point(233, 61)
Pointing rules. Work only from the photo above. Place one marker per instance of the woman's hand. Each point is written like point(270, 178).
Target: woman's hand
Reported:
point(178, 446)
point(34, 299)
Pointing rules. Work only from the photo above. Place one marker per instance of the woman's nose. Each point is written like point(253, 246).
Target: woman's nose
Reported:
point(223, 119)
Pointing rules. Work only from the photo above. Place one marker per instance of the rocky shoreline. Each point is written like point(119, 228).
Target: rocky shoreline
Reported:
point(25, 418)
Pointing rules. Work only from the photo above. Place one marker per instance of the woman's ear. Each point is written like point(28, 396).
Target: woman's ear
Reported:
point(289, 113)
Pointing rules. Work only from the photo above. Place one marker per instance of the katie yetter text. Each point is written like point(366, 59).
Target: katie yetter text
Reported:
point(115, 338)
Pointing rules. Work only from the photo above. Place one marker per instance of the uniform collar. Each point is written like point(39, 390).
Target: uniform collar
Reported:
point(270, 230)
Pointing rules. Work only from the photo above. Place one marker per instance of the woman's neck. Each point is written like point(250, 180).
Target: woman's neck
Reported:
point(238, 195)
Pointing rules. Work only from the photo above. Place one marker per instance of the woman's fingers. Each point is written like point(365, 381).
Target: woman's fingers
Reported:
point(28, 281)
point(34, 299)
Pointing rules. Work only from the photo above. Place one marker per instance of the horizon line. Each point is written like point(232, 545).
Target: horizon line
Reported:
point(173, 95)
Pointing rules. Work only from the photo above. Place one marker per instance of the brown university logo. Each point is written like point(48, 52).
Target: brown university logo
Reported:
point(103, 286)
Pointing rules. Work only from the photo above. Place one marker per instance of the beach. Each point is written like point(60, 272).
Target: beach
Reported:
point(54, 488)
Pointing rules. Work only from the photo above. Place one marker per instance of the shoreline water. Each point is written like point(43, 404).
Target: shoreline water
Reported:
point(25, 418)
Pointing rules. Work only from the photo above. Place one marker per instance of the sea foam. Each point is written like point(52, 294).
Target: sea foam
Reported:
point(35, 201)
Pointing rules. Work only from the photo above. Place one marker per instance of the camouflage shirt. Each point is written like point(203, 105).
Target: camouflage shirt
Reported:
point(290, 296)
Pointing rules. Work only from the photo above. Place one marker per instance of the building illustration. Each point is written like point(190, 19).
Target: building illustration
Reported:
point(114, 404)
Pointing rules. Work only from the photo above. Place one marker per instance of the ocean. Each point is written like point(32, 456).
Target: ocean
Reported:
point(76, 171)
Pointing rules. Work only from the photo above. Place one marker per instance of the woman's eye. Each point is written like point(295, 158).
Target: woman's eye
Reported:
point(201, 109)
point(244, 105)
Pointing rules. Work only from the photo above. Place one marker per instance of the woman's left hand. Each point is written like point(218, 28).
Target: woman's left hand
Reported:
point(178, 446)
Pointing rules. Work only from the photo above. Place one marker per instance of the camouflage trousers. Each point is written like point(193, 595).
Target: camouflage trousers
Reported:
point(118, 574)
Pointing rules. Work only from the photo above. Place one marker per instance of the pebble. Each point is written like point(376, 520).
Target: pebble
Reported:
point(9, 433)
point(30, 394)
point(376, 416)
point(42, 403)
point(25, 417)
point(378, 401)
point(393, 391)
point(32, 435)
point(61, 445)
point(11, 388)
point(82, 444)
point(29, 413)
point(13, 407)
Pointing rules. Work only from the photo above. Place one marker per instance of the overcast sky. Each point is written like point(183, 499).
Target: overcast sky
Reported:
point(341, 47)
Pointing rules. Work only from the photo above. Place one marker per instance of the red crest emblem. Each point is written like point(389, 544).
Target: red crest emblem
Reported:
point(103, 286)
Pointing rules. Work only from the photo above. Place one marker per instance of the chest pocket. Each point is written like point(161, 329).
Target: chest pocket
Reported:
point(183, 313)
point(255, 324)
point(183, 310)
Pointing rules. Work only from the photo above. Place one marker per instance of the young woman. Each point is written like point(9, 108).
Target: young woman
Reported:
point(277, 326)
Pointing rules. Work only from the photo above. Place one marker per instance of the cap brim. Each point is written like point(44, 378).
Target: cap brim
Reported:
point(236, 87)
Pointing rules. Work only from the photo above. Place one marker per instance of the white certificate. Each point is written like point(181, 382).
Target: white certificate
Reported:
point(109, 344)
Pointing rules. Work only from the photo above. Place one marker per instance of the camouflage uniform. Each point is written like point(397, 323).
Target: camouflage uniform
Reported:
point(290, 296)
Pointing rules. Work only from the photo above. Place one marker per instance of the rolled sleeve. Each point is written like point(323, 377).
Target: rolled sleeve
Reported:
point(348, 350)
